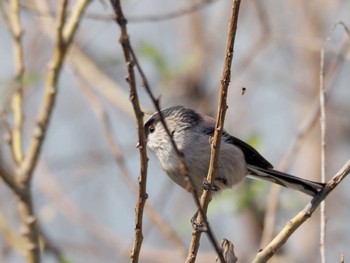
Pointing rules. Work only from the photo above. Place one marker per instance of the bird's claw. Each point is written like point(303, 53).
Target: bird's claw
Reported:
point(196, 225)
point(210, 186)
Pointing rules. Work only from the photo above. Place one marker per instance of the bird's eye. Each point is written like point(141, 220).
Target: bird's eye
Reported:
point(151, 129)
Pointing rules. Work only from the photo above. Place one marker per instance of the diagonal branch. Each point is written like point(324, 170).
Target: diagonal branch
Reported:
point(216, 141)
point(265, 254)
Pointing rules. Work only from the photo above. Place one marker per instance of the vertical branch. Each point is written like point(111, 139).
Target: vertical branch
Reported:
point(142, 195)
point(25, 204)
point(323, 158)
point(306, 126)
point(50, 92)
point(16, 103)
point(216, 141)
point(103, 117)
point(21, 183)
point(64, 36)
point(182, 165)
point(29, 230)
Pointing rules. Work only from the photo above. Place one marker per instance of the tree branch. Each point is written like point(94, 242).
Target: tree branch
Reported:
point(216, 141)
point(142, 195)
point(323, 158)
point(265, 254)
point(21, 183)
point(16, 103)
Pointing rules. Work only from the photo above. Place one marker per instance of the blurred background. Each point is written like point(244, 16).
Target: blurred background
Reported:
point(84, 187)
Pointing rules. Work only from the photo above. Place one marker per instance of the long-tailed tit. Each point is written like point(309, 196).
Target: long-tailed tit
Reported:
point(191, 132)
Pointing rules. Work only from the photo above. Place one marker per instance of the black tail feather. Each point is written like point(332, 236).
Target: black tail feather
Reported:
point(286, 180)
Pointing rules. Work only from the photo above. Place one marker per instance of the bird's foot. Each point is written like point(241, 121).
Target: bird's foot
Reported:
point(196, 225)
point(210, 186)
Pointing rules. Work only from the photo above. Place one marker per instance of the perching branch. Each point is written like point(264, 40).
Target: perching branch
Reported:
point(182, 164)
point(265, 254)
point(216, 140)
point(103, 117)
point(142, 195)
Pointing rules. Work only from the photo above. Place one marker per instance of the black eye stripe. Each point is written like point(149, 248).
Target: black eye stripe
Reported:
point(150, 123)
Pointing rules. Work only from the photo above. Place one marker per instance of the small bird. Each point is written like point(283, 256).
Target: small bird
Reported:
point(192, 132)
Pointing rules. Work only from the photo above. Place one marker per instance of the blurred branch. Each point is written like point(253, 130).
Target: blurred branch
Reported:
point(304, 129)
point(265, 254)
point(17, 32)
point(135, 19)
point(216, 140)
point(25, 204)
point(72, 212)
point(142, 195)
point(173, 14)
point(22, 184)
point(261, 43)
point(63, 40)
point(93, 74)
point(87, 68)
point(323, 158)
point(118, 156)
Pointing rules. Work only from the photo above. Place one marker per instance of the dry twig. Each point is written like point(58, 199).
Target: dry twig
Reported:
point(323, 158)
point(136, 19)
point(103, 116)
point(265, 254)
point(142, 195)
point(21, 185)
point(306, 126)
point(215, 143)
point(131, 59)
point(25, 205)
point(16, 103)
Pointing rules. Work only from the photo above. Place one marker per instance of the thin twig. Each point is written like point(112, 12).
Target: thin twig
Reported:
point(216, 141)
point(306, 126)
point(55, 66)
point(16, 103)
point(22, 184)
point(265, 254)
point(25, 204)
point(142, 195)
point(171, 15)
point(136, 19)
point(103, 116)
point(323, 160)
point(182, 165)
